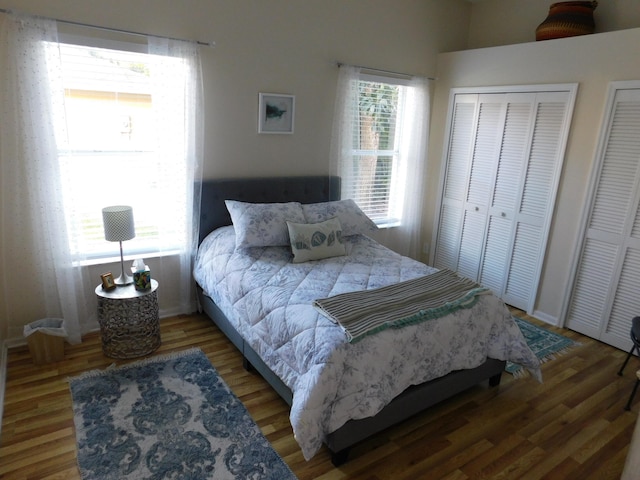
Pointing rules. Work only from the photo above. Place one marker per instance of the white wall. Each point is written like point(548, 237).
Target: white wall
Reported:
point(593, 61)
point(281, 46)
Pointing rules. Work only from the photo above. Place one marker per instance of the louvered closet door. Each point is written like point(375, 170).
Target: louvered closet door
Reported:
point(474, 141)
point(496, 204)
point(533, 151)
point(506, 190)
point(461, 141)
point(606, 290)
point(491, 120)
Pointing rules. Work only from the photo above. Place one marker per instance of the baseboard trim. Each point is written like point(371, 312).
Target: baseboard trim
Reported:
point(544, 317)
point(3, 379)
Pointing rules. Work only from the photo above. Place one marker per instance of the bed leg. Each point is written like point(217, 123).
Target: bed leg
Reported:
point(495, 380)
point(247, 364)
point(339, 458)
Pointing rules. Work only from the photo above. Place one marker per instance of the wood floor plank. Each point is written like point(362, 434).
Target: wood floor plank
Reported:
point(451, 464)
point(572, 425)
point(491, 461)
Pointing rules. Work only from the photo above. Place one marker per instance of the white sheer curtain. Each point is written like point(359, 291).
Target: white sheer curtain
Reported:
point(413, 152)
point(37, 276)
point(404, 238)
point(343, 139)
point(177, 99)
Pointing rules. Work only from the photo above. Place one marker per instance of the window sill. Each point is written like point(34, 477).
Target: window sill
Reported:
point(127, 258)
point(385, 225)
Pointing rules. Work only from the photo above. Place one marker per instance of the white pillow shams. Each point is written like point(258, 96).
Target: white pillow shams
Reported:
point(315, 241)
point(263, 224)
point(353, 220)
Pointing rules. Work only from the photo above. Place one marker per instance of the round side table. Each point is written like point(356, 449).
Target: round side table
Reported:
point(129, 320)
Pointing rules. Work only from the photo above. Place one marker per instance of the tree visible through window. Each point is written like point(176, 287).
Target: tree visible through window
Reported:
point(378, 148)
point(377, 122)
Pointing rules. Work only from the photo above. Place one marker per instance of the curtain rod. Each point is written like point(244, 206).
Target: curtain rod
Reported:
point(118, 30)
point(391, 72)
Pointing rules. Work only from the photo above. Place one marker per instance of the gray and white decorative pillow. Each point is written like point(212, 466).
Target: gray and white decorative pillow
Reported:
point(315, 241)
point(353, 220)
point(263, 224)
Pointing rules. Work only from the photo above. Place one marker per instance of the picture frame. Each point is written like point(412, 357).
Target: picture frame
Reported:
point(108, 283)
point(276, 113)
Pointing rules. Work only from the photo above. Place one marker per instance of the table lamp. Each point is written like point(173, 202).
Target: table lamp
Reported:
point(118, 227)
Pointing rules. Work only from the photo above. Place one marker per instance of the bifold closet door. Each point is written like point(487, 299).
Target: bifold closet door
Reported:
point(528, 173)
point(462, 134)
point(504, 159)
point(481, 178)
point(605, 295)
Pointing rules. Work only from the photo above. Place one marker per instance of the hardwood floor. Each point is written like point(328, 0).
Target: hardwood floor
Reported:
point(571, 426)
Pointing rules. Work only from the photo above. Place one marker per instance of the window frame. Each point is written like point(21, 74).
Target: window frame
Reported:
point(394, 203)
point(137, 246)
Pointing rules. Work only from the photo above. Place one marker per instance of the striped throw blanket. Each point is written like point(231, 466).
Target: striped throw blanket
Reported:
point(366, 312)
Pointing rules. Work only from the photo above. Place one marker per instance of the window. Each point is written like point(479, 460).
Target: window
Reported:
point(376, 155)
point(111, 154)
point(378, 148)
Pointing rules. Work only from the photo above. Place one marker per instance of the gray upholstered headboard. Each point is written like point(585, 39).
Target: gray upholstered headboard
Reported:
point(307, 189)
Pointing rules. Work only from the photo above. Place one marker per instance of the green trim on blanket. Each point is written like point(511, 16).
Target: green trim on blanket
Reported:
point(365, 312)
point(468, 301)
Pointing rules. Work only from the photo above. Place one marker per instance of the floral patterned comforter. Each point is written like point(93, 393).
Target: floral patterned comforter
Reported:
point(269, 300)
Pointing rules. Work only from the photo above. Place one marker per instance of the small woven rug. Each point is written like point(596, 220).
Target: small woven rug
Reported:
point(544, 343)
point(169, 416)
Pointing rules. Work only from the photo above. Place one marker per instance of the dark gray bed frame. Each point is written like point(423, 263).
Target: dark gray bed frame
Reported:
point(313, 189)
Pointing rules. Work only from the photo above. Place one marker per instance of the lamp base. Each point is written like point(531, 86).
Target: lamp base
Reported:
point(123, 280)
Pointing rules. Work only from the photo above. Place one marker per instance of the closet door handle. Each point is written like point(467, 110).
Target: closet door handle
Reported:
point(503, 214)
point(477, 209)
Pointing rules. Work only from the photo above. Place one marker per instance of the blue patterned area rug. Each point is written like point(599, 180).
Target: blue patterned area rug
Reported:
point(167, 417)
point(544, 343)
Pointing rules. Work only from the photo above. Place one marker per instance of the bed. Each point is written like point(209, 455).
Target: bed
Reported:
point(285, 352)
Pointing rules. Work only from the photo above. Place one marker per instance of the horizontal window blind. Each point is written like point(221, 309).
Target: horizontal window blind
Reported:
point(108, 154)
point(377, 118)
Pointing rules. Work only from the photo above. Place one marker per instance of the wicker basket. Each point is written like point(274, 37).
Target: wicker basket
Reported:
point(568, 19)
point(45, 338)
point(45, 348)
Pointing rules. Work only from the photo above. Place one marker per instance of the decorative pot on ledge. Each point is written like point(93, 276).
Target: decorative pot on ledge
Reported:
point(568, 19)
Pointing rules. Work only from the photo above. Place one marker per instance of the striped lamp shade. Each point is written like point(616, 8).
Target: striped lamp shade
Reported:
point(118, 223)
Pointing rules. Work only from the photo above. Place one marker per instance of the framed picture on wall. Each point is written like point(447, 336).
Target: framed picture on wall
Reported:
point(276, 113)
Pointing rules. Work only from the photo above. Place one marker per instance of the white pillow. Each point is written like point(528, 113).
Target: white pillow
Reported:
point(263, 224)
point(315, 241)
point(353, 220)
